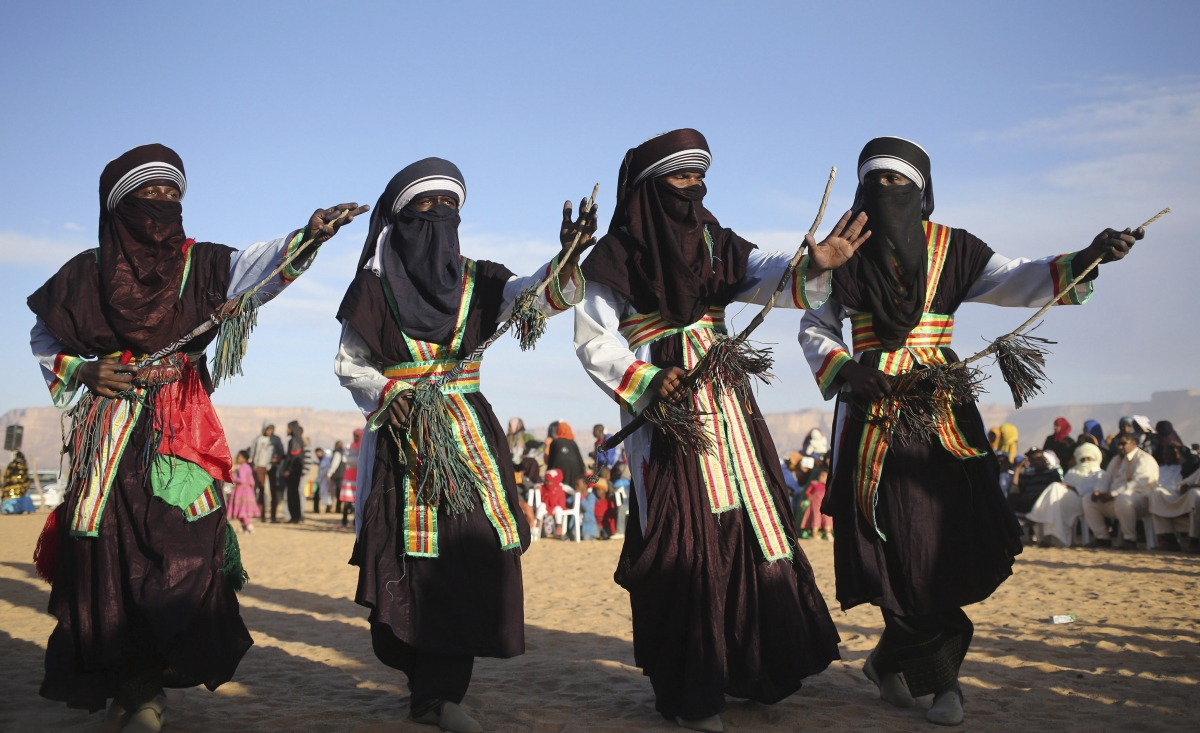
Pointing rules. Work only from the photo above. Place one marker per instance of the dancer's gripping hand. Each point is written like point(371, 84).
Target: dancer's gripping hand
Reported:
point(400, 410)
point(1110, 246)
point(324, 223)
point(841, 244)
point(106, 377)
point(668, 384)
point(867, 385)
point(585, 225)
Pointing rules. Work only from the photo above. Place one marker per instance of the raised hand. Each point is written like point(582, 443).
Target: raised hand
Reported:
point(324, 223)
point(106, 377)
point(841, 244)
point(585, 224)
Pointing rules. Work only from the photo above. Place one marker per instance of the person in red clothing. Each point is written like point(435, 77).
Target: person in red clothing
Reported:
point(814, 521)
point(606, 509)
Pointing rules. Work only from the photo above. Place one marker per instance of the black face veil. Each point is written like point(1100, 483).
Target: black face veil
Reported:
point(894, 260)
point(419, 260)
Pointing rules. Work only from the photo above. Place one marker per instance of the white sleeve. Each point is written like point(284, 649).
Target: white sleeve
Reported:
point(1029, 283)
point(604, 354)
point(765, 269)
point(824, 348)
point(249, 266)
point(357, 372)
point(554, 299)
point(58, 368)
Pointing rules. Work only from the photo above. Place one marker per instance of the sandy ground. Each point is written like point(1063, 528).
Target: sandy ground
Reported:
point(1129, 663)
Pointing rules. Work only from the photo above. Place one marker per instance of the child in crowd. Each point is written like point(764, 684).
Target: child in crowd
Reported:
point(814, 521)
point(555, 501)
point(588, 528)
point(606, 510)
point(619, 488)
point(242, 504)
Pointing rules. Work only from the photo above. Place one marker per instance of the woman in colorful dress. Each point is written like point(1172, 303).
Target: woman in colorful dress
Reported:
point(441, 574)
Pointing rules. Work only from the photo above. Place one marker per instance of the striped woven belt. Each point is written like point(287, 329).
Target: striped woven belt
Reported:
point(644, 328)
point(419, 371)
point(934, 329)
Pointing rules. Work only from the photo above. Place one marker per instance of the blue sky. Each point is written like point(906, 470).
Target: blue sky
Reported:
point(1045, 121)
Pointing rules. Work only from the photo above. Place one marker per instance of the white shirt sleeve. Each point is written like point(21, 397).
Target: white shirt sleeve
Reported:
point(554, 299)
point(823, 345)
point(605, 355)
point(247, 267)
point(1028, 283)
point(765, 269)
point(357, 372)
point(58, 368)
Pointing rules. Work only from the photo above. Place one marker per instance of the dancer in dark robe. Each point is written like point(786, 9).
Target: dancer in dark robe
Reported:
point(443, 585)
point(723, 599)
point(144, 566)
point(923, 528)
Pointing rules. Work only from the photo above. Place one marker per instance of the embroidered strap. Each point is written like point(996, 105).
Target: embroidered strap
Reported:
point(733, 474)
point(419, 371)
point(874, 445)
point(641, 329)
point(934, 329)
point(433, 361)
point(116, 422)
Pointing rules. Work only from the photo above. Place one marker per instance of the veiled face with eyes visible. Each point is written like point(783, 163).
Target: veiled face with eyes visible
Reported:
point(685, 179)
point(887, 178)
point(158, 193)
point(425, 203)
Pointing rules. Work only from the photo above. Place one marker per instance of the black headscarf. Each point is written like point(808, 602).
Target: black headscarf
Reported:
point(890, 268)
point(654, 252)
point(421, 266)
point(142, 254)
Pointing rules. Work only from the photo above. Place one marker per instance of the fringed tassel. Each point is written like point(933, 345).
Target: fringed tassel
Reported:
point(231, 563)
point(924, 398)
point(233, 336)
point(680, 426)
point(45, 554)
point(1022, 361)
point(89, 423)
point(441, 466)
point(529, 322)
point(731, 362)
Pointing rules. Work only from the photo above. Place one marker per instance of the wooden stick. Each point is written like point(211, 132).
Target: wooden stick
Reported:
point(1042, 311)
point(690, 378)
point(222, 314)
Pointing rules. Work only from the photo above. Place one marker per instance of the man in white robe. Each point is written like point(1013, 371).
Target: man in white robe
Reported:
point(1175, 501)
point(1060, 505)
point(1123, 494)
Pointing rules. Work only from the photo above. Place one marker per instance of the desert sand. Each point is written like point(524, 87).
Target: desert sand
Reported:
point(1129, 663)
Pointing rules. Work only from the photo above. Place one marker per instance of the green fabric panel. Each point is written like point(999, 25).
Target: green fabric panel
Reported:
point(178, 482)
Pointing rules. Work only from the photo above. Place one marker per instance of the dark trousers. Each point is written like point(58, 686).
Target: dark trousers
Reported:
point(295, 505)
point(433, 678)
point(928, 650)
point(264, 483)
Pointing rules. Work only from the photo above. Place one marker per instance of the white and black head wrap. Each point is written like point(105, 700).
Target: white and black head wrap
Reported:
point(417, 252)
point(902, 156)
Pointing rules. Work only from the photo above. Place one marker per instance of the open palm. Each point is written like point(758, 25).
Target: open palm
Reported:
point(841, 244)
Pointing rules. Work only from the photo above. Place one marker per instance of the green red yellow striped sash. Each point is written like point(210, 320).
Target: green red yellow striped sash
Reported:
point(934, 329)
point(433, 361)
point(418, 371)
point(924, 346)
point(118, 421)
point(733, 474)
point(641, 328)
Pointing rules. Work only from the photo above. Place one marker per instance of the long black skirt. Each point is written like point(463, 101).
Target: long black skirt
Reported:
point(147, 590)
point(710, 615)
point(467, 601)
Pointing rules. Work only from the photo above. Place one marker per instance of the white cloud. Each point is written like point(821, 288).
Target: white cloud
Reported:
point(24, 249)
point(72, 226)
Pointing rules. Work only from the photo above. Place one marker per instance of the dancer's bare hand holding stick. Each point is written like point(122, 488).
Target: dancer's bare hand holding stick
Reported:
point(674, 384)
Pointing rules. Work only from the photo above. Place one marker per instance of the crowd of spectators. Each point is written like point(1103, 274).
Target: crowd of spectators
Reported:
point(1105, 485)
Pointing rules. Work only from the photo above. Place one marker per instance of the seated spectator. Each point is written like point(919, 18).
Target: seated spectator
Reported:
point(606, 509)
point(1061, 442)
point(789, 464)
point(1061, 504)
point(1176, 499)
point(1007, 442)
point(1031, 478)
point(564, 454)
point(1123, 494)
point(1164, 435)
point(813, 520)
point(589, 529)
point(815, 444)
point(554, 501)
point(619, 488)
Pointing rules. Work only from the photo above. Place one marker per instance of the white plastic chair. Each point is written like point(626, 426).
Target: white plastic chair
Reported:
point(539, 511)
point(573, 511)
point(1151, 538)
